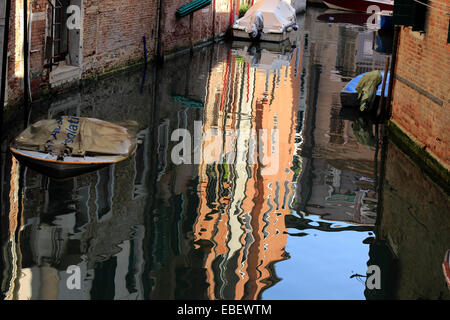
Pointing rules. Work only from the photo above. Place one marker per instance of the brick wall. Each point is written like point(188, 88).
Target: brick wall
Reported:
point(113, 32)
point(176, 31)
point(420, 104)
point(37, 44)
point(14, 74)
point(112, 35)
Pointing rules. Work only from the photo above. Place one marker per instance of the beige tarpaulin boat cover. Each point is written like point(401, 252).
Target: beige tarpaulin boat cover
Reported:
point(277, 15)
point(367, 89)
point(77, 136)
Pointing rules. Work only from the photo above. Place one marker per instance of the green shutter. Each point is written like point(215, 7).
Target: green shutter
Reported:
point(191, 7)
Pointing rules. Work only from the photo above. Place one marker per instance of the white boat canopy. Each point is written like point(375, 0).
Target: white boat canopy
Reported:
point(277, 15)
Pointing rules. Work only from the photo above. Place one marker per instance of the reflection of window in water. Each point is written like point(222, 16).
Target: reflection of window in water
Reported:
point(212, 185)
point(103, 286)
point(215, 116)
point(336, 123)
point(163, 145)
point(140, 168)
point(135, 261)
point(104, 190)
point(82, 213)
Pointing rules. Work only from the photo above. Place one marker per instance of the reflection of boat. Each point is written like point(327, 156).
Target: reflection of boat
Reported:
point(266, 20)
point(349, 96)
point(263, 57)
point(277, 47)
point(361, 5)
point(70, 146)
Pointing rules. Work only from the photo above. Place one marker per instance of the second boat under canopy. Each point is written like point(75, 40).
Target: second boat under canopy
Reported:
point(274, 19)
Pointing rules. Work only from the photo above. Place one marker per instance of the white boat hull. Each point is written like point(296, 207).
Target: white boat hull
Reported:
point(270, 37)
point(267, 20)
point(61, 169)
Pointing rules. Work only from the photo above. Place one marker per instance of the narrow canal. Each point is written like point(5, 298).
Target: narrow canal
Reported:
point(273, 194)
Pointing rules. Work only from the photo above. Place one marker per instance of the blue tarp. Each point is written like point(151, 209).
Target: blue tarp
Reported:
point(350, 87)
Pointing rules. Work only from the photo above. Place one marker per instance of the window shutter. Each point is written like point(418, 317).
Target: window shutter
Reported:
point(420, 13)
point(410, 13)
point(402, 12)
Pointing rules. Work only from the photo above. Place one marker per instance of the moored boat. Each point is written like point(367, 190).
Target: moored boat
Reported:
point(69, 146)
point(349, 95)
point(266, 20)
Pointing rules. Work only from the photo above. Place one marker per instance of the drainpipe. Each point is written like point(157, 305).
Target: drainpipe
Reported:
point(28, 51)
point(231, 13)
point(384, 138)
point(158, 51)
point(214, 22)
point(25, 60)
point(4, 59)
point(191, 37)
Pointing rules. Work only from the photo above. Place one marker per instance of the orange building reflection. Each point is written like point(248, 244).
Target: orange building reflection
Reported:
point(243, 201)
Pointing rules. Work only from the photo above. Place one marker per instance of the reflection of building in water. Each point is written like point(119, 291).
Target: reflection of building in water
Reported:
point(242, 205)
point(338, 194)
point(367, 59)
point(347, 51)
point(87, 229)
point(173, 268)
point(337, 178)
point(355, 51)
point(129, 226)
point(85, 221)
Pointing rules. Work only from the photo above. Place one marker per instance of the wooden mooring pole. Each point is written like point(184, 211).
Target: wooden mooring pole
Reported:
point(191, 27)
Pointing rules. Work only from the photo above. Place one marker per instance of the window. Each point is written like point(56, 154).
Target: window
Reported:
point(105, 191)
point(410, 13)
point(57, 33)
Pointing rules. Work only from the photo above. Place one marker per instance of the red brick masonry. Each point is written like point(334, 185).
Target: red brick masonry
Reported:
point(111, 35)
point(420, 104)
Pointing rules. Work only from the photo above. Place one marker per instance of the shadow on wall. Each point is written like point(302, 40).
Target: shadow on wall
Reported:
point(205, 25)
